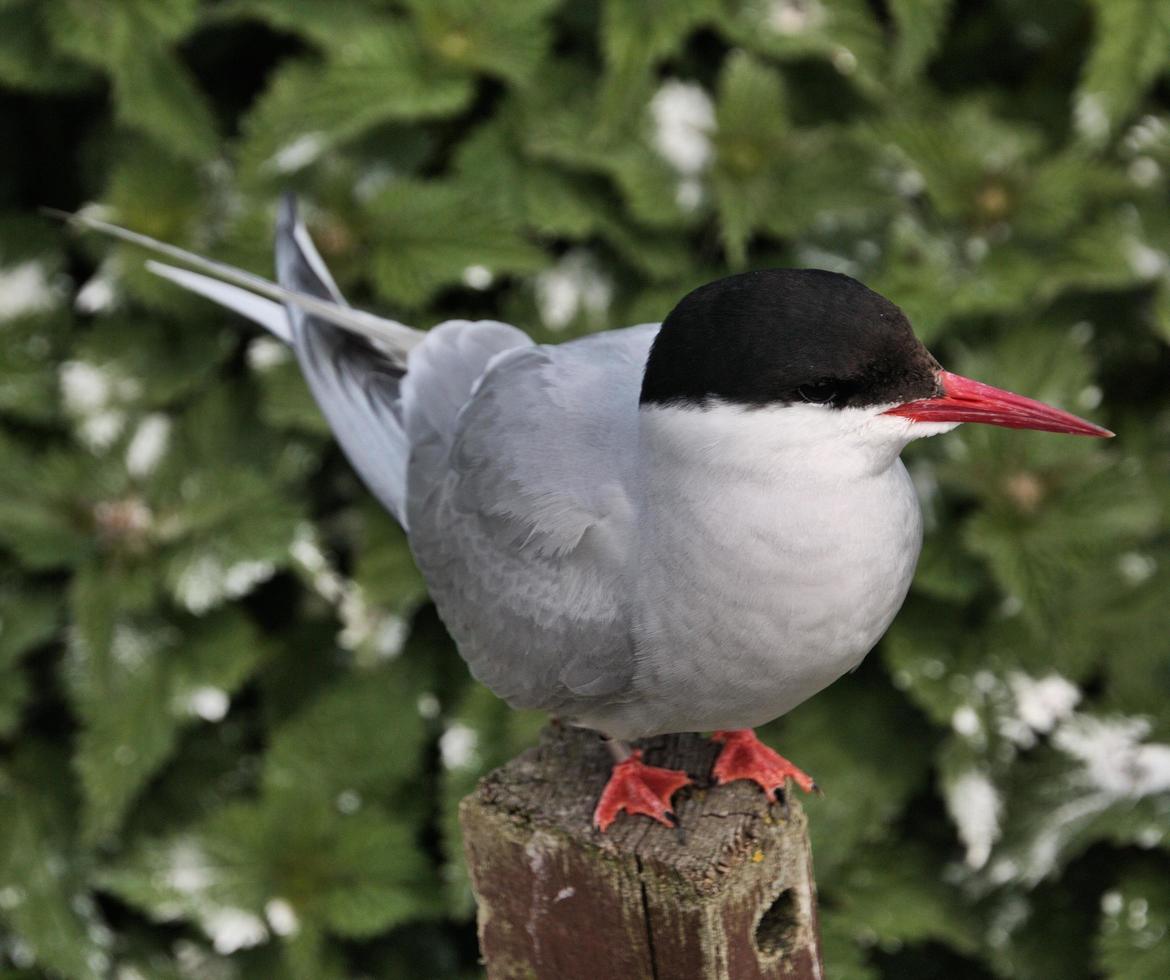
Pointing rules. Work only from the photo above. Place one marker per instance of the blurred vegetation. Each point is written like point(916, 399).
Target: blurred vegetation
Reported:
point(233, 733)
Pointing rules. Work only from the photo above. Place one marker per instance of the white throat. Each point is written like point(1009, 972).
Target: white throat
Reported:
point(803, 444)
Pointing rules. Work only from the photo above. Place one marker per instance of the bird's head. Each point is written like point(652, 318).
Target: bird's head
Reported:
point(811, 359)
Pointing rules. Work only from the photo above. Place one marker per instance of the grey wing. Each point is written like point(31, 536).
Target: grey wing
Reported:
point(521, 516)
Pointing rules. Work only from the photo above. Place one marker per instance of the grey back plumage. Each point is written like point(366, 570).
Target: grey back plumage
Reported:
point(520, 509)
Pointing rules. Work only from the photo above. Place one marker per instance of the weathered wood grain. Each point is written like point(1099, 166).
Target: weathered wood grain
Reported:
point(735, 900)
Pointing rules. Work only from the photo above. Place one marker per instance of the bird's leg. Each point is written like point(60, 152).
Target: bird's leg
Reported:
point(637, 788)
point(745, 757)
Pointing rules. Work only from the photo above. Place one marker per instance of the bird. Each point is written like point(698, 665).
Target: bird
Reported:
point(685, 526)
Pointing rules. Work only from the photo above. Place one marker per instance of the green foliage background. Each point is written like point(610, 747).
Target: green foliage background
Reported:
point(232, 732)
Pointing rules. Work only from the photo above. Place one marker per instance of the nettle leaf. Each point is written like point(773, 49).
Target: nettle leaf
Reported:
point(894, 894)
point(1135, 920)
point(1050, 511)
point(505, 38)
point(135, 682)
point(655, 149)
point(45, 518)
point(1122, 612)
point(425, 234)
point(846, 958)
point(324, 22)
point(144, 363)
point(751, 130)
point(921, 25)
point(175, 200)
point(1057, 192)
point(30, 350)
point(27, 56)
point(637, 35)
point(282, 863)
point(386, 571)
point(286, 401)
point(28, 618)
point(44, 897)
point(102, 20)
point(932, 658)
point(33, 325)
point(843, 32)
point(965, 158)
point(558, 202)
point(480, 733)
point(232, 532)
point(358, 743)
point(130, 41)
point(1131, 49)
point(1098, 779)
point(374, 78)
point(650, 30)
point(157, 95)
point(842, 823)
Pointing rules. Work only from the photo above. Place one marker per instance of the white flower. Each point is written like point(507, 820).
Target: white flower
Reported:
point(975, 805)
point(25, 289)
point(684, 118)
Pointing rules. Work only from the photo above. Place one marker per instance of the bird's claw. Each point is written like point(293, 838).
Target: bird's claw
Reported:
point(744, 756)
point(638, 788)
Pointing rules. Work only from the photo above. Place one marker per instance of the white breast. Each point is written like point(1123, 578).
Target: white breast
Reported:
point(776, 547)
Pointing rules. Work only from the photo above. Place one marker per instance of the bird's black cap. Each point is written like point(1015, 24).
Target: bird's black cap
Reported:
point(781, 336)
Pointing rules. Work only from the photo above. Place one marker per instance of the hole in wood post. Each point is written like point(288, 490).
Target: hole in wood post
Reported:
point(778, 928)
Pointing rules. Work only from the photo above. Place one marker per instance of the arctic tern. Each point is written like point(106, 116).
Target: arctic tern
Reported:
point(687, 526)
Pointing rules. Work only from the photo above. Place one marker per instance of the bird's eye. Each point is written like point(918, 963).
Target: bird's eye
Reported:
point(819, 393)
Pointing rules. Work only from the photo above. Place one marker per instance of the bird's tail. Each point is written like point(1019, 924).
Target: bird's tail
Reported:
point(353, 361)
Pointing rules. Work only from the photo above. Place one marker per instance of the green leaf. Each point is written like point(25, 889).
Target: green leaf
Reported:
point(135, 683)
point(130, 40)
point(28, 618)
point(286, 402)
point(43, 894)
point(505, 38)
point(326, 23)
point(235, 534)
point(386, 571)
point(636, 35)
point(920, 24)
point(376, 77)
point(158, 96)
point(480, 733)
point(872, 792)
point(44, 519)
point(26, 58)
point(1100, 780)
point(894, 895)
point(297, 866)
point(751, 131)
point(426, 234)
point(843, 32)
point(1135, 918)
point(1131, 49)
point(359, 742)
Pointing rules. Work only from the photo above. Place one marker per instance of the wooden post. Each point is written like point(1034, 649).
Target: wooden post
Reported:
point(735, 900)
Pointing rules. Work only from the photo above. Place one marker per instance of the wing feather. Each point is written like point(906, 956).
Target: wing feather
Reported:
point(523, 523)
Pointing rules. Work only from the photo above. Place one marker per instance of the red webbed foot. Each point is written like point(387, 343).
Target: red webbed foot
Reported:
point(745, 757)
point(638, 788)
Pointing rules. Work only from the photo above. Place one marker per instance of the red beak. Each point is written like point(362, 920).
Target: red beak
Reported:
point(964, 400)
